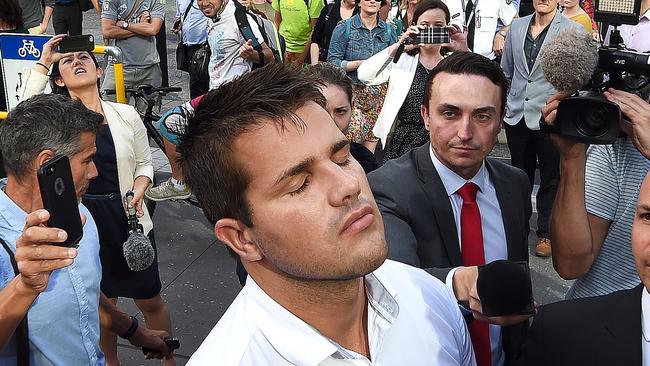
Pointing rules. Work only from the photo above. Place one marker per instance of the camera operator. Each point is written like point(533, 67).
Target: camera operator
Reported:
point(595, 203)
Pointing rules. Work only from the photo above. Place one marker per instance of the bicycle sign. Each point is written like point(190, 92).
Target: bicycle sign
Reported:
point(18, 54)
point(28, 47)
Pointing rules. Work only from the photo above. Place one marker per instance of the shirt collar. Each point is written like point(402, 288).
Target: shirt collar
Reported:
point(645, 15)
point(298, 342)
point(645, 314)
point(452, 181)
point(356, 22)
point(11, 212)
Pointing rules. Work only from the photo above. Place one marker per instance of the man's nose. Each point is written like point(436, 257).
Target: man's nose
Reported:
point(345, 186)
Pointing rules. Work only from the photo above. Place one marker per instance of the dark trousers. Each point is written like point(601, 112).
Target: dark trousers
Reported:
point(198, 85)
point(526, 148)
point(67, 19)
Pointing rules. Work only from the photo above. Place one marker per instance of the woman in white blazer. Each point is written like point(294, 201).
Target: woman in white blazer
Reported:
point(406, 79)
point(123, 161)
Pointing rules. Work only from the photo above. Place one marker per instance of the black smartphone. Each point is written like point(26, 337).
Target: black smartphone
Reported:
point(433, 35)
point(84, 42)
point(60, 198)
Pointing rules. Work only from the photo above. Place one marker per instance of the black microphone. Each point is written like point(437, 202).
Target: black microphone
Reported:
point(137, 248)
point(504, 288)
point(569, 60)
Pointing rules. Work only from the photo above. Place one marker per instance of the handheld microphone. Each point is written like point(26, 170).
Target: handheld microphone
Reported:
point(137, 248)
point(398, 52)
point(505, 288)
point(569, 60)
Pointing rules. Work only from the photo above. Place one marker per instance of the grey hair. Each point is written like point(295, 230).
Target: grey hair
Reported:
point(43, 122)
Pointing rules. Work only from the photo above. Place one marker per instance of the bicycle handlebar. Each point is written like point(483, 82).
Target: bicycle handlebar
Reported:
point(146, 90)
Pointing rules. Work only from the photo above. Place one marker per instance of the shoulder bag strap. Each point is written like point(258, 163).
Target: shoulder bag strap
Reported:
point(22, 331)
point(187, 11)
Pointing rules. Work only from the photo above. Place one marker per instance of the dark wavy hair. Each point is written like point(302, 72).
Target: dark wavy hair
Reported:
point(56, 73)
point(424, 6)
point(11, 13)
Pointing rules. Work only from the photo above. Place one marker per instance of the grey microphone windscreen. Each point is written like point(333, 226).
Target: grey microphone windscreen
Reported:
point(569, 60)
point(138, 251)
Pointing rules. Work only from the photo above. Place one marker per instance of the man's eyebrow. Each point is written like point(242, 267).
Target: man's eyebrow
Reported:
point(448, 106)
point(489, 109)
point(339, 146)
point(643, 207)
point(295, 170)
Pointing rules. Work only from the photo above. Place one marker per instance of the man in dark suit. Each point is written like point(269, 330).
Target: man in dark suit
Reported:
point(446, 208)
point(612, 329)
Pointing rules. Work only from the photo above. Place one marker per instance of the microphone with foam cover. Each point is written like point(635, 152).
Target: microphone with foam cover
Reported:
point(137, 249)
point(569, 60)
point(505, 288)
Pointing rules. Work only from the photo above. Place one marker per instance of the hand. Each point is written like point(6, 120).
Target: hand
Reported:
point(36, 256)
point(246, 51)
point(354, 65)
point(637, 124)
point(152, 339)
point(145, 17)
point(566, 148)
point(477, 311)
point(176, 28)
point(138, 197)
point(50, 53)
point(406, 37)
point(458, 38)
point(498, 43)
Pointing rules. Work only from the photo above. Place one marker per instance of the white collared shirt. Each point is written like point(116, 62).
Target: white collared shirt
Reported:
point(645, 327)
point(412, 320)
point(494, 234)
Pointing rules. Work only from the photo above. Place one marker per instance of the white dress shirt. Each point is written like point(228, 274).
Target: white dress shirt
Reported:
point(494, 234)
point(412, 320)
point(645, 327)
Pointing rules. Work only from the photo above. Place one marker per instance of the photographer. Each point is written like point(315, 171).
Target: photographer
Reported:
point(64, 323)
point(406, 78)
point(596, 201)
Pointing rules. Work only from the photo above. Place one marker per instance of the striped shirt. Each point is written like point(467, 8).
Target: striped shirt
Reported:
point(613, 179)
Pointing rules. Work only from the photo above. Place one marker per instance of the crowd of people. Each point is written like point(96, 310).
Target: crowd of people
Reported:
point(370, 145)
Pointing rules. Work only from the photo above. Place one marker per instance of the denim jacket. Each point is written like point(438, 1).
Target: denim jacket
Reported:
point(360, 45)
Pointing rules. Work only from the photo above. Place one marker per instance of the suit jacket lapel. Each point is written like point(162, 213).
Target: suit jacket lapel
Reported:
point(623, 324)
point(550, 34)
point(508, 213)
point(522, 42)
point(443, 215)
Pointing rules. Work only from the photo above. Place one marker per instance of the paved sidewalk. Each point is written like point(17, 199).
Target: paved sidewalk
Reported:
point(197, 273)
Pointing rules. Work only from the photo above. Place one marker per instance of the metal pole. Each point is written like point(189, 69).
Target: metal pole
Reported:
point(118, 69)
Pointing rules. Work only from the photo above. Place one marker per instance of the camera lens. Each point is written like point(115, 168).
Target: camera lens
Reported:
point(594, 122)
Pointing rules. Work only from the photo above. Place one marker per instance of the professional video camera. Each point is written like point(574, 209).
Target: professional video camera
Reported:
point(587, 116)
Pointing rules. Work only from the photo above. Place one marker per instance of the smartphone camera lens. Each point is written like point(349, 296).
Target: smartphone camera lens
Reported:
point(59, 186)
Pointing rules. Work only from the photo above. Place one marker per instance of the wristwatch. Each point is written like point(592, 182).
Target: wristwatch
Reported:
point(125, 24)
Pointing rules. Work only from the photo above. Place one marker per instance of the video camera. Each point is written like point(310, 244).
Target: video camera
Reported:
point(589, 117)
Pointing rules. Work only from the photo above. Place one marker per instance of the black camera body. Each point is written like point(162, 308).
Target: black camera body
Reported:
point(588, 116)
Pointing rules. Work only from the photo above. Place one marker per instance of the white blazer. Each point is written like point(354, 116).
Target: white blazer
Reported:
point(379, 69)
point(129, 136)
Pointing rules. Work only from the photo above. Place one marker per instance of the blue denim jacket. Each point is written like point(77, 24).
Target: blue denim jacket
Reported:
point(64, 319)
point(361, 44)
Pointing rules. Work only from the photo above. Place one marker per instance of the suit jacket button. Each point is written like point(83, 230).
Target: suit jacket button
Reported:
point(527, 99)
point(530, 81)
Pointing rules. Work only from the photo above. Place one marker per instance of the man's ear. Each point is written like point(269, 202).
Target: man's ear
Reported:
point(43, 157)
point(239, 238)
point(425, 116)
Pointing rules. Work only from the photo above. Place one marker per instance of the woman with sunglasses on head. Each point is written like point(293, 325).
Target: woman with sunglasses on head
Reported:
point(406, 78)
point(354, 40)
point(123, 162)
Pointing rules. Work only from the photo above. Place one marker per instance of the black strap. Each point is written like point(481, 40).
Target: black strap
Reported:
point(22, 331)
point(241, 16)
point(187, 11)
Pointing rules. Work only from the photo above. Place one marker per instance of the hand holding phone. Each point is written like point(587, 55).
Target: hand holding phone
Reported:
point(60, 198)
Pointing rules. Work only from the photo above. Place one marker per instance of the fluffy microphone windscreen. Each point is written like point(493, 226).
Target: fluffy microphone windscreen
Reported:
point(138, 252)
point(504, 288)
point(569, 60)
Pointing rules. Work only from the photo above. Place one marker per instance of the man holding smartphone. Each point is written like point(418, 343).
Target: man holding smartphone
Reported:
point(64, 323)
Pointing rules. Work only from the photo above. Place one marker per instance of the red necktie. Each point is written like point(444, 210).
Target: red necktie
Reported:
point(471, 238)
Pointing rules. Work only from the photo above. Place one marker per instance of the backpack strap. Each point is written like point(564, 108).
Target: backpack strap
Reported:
point(348, 28)
point(241, 16)
point(22, 331)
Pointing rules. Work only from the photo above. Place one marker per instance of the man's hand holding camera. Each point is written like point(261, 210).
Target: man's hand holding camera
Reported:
point(637, 121)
